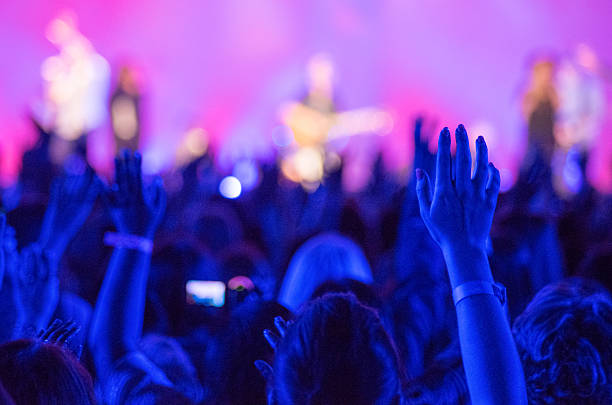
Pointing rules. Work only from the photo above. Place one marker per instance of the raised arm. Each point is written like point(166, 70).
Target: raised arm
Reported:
point(458, 215)
point(136, 212)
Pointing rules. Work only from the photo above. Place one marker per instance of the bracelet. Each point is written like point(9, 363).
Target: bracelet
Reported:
point(471, 288)
point(134, 242)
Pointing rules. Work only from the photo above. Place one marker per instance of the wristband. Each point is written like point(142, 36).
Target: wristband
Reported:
point(471, 288)
point(134, 242)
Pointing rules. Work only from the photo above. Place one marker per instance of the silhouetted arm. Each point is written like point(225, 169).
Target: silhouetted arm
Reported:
point(116, 326)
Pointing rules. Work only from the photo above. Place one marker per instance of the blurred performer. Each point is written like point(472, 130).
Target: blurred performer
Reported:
point(125, 111)
point(315, 122)
point(580, 117)
point(75, 85)
point(540, 104)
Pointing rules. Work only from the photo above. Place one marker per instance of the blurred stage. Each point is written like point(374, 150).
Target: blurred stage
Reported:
point(226, 69)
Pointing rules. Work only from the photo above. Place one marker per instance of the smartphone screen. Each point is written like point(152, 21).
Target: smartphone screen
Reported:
point(207, 293)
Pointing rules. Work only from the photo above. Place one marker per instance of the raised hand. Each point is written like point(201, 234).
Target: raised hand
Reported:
point(35, 287)
point(71, 201)
point(135, 209)
point(459, 213)
point(62, 333)
point(2, 248)
point(264, 368)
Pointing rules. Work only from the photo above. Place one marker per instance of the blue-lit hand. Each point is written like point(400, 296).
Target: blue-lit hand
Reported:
point(135, 209)
point(35, 287)
point(459, 214)
point(265, 369)
point(2, 248)
point(72, 198)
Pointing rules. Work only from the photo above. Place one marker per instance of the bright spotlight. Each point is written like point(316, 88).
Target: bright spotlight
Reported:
point(230, 187)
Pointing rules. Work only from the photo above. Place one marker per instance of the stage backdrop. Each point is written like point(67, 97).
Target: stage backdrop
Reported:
point(226, 66)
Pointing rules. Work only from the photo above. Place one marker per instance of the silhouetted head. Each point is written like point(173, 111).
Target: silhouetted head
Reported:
point(234, 379)
point(564, 340)
point(364, 293)
point(336, 352)
point(325, 257)
point(36, 373)
point(170, 357)
point(5, 398)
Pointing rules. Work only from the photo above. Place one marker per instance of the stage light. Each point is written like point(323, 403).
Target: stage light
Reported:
point(230, 187)
point(282, 136)
point(193, 146)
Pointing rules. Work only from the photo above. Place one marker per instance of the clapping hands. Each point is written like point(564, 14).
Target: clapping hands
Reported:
point(135, 209)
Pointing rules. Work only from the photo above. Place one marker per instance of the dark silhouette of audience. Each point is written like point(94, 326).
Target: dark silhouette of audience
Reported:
point(389, 295)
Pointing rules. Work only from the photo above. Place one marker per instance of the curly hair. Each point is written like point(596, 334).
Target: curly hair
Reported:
point(564, 338)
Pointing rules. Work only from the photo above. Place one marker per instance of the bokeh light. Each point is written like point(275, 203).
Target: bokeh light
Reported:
point(230, 187)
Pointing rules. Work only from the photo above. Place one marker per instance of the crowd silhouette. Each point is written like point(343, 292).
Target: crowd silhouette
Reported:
point(432, 289)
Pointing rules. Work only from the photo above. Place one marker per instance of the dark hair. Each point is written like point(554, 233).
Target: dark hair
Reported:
point(166, 353)
point(37, 373)
point(5, 398)
point(337, 352)
point(564, 340)
point(362, 291)
point(235, 380)
point(443, 382)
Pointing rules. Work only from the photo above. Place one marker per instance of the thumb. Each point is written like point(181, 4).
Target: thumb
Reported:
point(423, 190)
point(265, 370)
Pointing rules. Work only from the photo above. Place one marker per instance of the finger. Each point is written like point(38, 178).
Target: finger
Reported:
point(463, 160)
point(281, 326)
point(443, 162)
point(493, 184)
point(47, 333)
point(482, 160)
point(2, 229)
point(418, 127)
point(89, 184)
point(265, 370)
point(132, 176)
point(137, 168)
point(44, 334)
point(423, 191)
point(272, 338)
point(121, 175)
point(67, 332)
